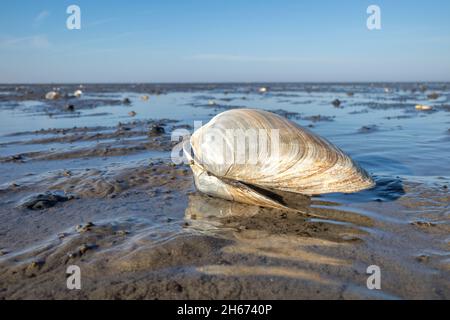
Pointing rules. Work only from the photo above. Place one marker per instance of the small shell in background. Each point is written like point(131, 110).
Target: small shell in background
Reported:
point(52, 95)
point(78, 93)
point(262, 90)
point(423, 107)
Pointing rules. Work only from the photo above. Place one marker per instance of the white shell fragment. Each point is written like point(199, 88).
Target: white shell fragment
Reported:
point(52, 95)
point(273, 154)
point(423, 107)
point(78, 93)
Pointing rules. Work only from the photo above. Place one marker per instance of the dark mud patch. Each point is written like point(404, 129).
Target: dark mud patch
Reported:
point(301, 102)
point(362, 111)
point(62, 131)
point(336, 103)
point(299, 116)
point(64, 105)
point(100, 183)
point(126, 138)
point(400, 117)
point(43, 201)
point(319, 118)
point(386, 105)
point(368, 129)
point(97, 150)
point(287, 114)
point(219, 106)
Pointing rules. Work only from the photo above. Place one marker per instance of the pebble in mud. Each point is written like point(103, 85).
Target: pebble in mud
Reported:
point(350, 238)
point(43, 201)
point(84, 248)
point(122, 233)
point(14, 185)
point(156, 130)
point(317, 118)
point(67, 173)
point(70, 107)
point(126, 101)
point(81, 250)
point(423, 224)
point(16, 158)
point(37, 264)
point(336, 102)
point(184, 172)
point(83, 228)
point(433, 96)
point(61, 235)
point(132, 113)
point(423, 258)
point(3, 252)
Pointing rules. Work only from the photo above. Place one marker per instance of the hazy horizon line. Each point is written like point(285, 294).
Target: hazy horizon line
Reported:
point(225, 82)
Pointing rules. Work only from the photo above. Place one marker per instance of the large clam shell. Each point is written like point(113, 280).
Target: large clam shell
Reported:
point(288, 158)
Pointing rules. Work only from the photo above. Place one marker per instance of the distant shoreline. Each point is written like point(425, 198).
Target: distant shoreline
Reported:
point(228, 83)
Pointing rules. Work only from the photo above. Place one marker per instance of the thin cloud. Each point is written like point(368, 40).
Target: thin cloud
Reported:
point(40, 18)
point(35, 41)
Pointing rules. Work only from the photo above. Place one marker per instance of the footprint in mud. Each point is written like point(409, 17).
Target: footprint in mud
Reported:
point(43, 201)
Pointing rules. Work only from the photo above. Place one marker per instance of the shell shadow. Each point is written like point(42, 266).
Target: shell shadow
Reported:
point(386, 189)
point(388, 184)
point(212, 216)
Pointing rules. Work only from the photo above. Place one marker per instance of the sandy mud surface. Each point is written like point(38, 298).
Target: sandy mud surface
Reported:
point(95, 186)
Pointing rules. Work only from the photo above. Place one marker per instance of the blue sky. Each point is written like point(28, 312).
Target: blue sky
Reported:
point(224, 40)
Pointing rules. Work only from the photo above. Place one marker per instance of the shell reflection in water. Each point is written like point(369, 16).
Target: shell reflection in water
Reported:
point(233, 220)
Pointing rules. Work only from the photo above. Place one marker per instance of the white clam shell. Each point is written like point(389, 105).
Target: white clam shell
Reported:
point(301, 162)
point(52, 95)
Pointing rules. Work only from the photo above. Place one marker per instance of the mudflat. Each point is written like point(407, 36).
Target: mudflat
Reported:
point(90, 181)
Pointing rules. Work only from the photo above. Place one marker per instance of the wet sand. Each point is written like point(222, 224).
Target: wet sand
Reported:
point(95, 187)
